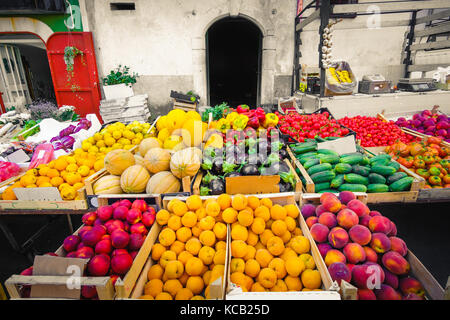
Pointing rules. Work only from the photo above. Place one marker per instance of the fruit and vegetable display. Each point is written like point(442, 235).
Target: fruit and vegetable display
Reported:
point(268, 249)
point(427, 158)
point(308, 126)
point(332, 172)
point(374, 132)
point(110, 239)
point(361, 247)
point(429, 123)
point(190, 253)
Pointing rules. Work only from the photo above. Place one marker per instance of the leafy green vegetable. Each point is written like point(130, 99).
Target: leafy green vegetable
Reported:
point(209, 177)
point(204, 191)
point(228, 167)
point(207, 164)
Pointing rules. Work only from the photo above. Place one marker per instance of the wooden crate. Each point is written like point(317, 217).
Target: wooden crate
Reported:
point(184, 105)
point(308, 187)
point(329, 288)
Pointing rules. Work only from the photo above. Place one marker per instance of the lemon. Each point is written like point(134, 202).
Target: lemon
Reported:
point(83, 171)
point(98, 136)
point(109, 142)
point(100, 144)
point(72, 167)
point(117, 134)
point(91, 140)
point(111, 129)
point(139, 135)
point(163, 134)
point(129, 134)
point(71, 159)
point(85, 145)
point(93, 149)
point(116, 146)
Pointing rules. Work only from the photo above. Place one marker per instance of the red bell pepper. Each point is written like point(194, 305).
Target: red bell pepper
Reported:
point(259, 112)
point(253, 122)
point(242, 108)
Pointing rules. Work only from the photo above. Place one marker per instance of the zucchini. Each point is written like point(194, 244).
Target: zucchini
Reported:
point(328, 158)
point(311, 162)
point(327, 151)
point(361, 170)
point(403, 184)
point(354, 159)
point(377, 187)
point(304, 149)
point(337, 181)
point(356, 179)
point(379, 157)
point(383, 170)
point(319, 168)
point(375, 178)
point(343, 168)
point(396, 176)
point(394, 164)
point(323, 176)
point(353, 187)
point(321, 186)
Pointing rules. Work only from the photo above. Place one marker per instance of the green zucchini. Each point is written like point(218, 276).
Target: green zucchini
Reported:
point(356, 179)
point(323, 176)
point(403, 184)
point(321, 186)
point(343, 168)
point(375, 178)
point(383, 170)
point(379, 157)
point(353, 187)
point(394, 164)
point(319, 168)
point(377, 187)
point(311, 162)
point(327, 151)
point(337, 181)
point(355, 159)
point(361, 170)
point(396, 176)
point(328, 158)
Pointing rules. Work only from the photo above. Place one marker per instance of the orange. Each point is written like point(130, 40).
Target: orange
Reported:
point(263, 256)
point(189, 219)
point(197, 297)
point(157, 250)
point(179, 208)
point(207, 238)
point(167, 237)
point(262, 212)
point(196, 231)
point(229, 215)
point(239, 279)
point(221, 245)
point(167, 256)
point(238, 248)
point(217, 272)
point(248, 282)
point(297, 231)
point(219, 257)
point(63, 185)
point(280, 286)
point(201, 213)
point(267, 278)
point(60, 164)
point(193, 246)
point(98, 165)
point(177, 247)
point(308, 260)
point(278, 227)
point(184, 234)
point(195, 284)
point(194, 202)
point(220, 230)
point(31, 186)
point(172, 286)
point(194, 266)
point(212, 209)
point(239, 232)
point(78, 185)
point(311, 279)
point(251, 252)
point(184, 256)
point(172, 203)
point(269, 224)
point(290, 223)
point(300, 244)
point(266, 202)
point(258, 225)
point(153, 287)
point(155, 272)
point(252, 238)
point(292, 210)
point(57, 181)
point(146, 297)
point(174, 222)
point(253, 202)
point(259, 245)
point(252, 268)
point(206, 254)
point(207, 223)
point(162, 217)
point(45, 185)
point(245, 217)
point(8, 194)
point(239, 202)
point(294, 266)
point(286, 236)
point(279, 267)
point(43, 171)
point(257, 287)
point(27, 180)
point(164, 296)
point(207, 277)
point(72, 178)
point(174, 269)
point(293, 283)
point(40, 180)
point(224, 201)
point(288, 253)
point(72, 167)
point(275, 245)
point(83, 171)
point(278, 212)
point(265, 236)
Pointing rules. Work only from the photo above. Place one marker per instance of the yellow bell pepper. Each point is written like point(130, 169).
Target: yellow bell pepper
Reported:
point(271, 120)
point(223, 125)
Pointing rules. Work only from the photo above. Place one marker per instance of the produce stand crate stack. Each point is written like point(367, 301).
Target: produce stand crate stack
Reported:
point(183, 101)
point(126, 110)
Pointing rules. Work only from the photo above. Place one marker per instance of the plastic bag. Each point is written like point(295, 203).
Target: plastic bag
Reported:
point(43, 154)
point(339, 78)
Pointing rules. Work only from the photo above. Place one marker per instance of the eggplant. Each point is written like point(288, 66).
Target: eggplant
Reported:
point(217, 166)
point(232, 175)
point(283, 154)
point(275, 169)
point(284, 186)
point(250, 170)
point(272, 158)
point(217, 186)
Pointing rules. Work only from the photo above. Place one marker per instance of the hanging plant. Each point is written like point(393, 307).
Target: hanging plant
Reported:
point(70, 52)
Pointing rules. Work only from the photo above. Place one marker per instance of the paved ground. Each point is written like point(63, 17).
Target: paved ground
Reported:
point(424, 227)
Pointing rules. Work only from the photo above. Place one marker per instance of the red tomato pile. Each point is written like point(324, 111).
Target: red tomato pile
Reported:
point(303, 127)
point(374, 132)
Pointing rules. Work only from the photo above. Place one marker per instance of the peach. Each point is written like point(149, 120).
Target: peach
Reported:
point(139, 204)
point(103, 246)
point(114, 278)
point(91, 237)
point(125, 203)
point(354, 253)
point(328, 219)
point(136, 241)
point(319, 232)
point(126, 226)
point(118, 252)
point(120, 213)
point(120, 239)
point(100, 229)
point(85, 253)
point(89, 218)
point(138, 228)
point(398, 245)
point(379, 272)
point(83, 230)
point(395, 263)
point(371, 254)
point(412, 296)
point(88, 292)
point(358, 207)
point(99, 265)
point(364, 275)
point(350, 266)
point(374, 213)
point(319, 210)
point(380, 243)
point(393, 231)
point(73, 254)
point(333, 256)
point(330, 202)
point(380, 224)
point(27, 272)
point(411, 285)
point(148, 218)
point(360, 234)
point(120, 264)
point(323, 248)
point(387, 293)
point(327, 195)
point(346, 218)
point(134, 216)
point(366, 294)
point(115, 204)
point(310, 221)
point(346, 196)
point(113, 225)
point(338, 237)
point(133, 254)
point(364, 220)
point(106, 237)
point(390, 278)
point(71, 243)
point(308, 210)
point(97, 222)
point(339, 271)
point(105, 213)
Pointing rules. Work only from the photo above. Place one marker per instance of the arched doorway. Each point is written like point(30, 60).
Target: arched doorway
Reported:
point(233, 60)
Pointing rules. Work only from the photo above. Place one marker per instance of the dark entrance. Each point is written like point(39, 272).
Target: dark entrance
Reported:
point(234, 62)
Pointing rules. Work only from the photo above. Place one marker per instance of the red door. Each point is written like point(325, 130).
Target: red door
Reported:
point(82, 88)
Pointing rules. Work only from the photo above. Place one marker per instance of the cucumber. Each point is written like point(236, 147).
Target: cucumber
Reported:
point(403, 184)
point(343, 168)
point(319, 168)
point(380, 162)
point(337, 181)
point(394, 164)
point(304, 148)
point(327, 151)
point(328, 158)
point(321, 186)
point(353, 187)
point(351, 154)
point(303, 160)
point(375, 178)
point(377, 187)
point(383, 170)
point(379, 157)
point(355, 159)
point(329, 191)
point(395, 177)
point(356, 179)
point(309, 163)
point(323, 176)
point(306, 155)
point(365, 161)
point(361, 170)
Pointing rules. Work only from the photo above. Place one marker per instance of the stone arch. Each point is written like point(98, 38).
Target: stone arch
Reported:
point(26, 25)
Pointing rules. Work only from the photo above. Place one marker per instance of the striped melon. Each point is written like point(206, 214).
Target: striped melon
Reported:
point(134, 179)
point(157, 160)
point(185, 162)
point(163, 182)
point(118, 160)
point(139, 160)
point(108, 185)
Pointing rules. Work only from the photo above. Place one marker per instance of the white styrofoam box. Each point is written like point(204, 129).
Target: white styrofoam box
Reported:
point(117, 91)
